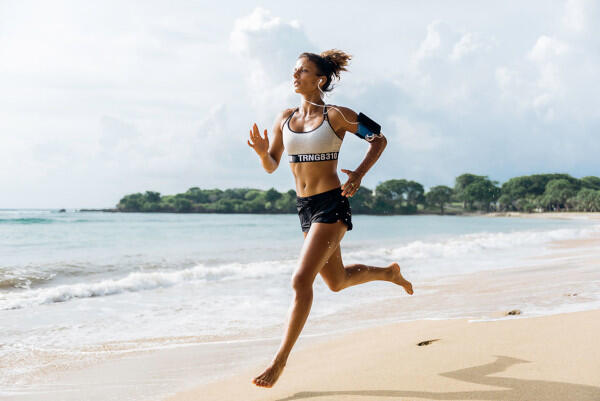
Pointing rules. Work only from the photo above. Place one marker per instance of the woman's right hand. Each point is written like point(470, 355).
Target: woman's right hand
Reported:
point(259, 144)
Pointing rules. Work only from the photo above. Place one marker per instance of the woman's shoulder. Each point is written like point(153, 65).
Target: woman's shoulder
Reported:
point(337, 110)
point(283, 116)
point(285, 113)
point(342, 117)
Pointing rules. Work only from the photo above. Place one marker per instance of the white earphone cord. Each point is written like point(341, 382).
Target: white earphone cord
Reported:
point(333, 107)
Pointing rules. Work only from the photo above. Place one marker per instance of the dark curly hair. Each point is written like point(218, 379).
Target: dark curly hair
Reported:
point(329, 64)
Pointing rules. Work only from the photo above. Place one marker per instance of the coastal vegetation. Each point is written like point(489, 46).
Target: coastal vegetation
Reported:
point(471, 193)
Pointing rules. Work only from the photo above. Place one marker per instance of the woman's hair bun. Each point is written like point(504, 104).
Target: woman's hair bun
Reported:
point(338, 59)
point(329, 63)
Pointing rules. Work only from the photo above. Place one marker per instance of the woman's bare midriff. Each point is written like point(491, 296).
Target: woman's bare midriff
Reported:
point(315, 177)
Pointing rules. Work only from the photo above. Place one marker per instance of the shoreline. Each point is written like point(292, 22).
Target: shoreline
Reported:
point(559, 214)
point(549, 215)
point(562, 214)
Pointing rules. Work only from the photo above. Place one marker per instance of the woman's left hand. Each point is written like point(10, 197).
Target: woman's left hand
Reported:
point(352, 184)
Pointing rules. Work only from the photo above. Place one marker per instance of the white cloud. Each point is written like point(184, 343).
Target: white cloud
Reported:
point(449, 69)
point(431, 45)
point(546, 48)
point(574, 17)
point(267, 47)
point(468, 43)
point(115, 132)
point(415, 135)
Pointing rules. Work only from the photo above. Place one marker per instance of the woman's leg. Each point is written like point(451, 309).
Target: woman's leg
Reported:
point(337, 276)
point(320, 243)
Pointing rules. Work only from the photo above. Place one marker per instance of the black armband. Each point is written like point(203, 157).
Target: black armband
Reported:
point(367, 128)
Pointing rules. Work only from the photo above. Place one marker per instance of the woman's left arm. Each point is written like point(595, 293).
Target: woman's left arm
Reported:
point(376, 147)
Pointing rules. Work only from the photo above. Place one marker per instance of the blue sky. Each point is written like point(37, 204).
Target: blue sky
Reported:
point(104, 99)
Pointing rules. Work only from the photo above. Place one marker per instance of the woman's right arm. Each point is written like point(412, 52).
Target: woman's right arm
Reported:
point(270, 154)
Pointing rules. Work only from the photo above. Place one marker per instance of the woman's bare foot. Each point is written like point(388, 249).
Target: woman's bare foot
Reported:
point(269, 376)
point(398, 279)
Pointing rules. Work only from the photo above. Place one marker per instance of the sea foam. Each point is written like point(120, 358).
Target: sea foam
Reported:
point(142, 281)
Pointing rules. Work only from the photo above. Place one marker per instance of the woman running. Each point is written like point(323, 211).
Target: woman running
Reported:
point(312, 135)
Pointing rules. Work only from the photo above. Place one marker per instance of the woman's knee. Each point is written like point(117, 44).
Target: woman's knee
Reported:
point(302, 284)
point(336, 286)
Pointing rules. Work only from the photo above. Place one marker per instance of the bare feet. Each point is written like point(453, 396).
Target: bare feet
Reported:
point(269, 376)
point(398, 279)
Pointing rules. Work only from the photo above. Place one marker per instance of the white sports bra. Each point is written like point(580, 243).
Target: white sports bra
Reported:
point(319, 144)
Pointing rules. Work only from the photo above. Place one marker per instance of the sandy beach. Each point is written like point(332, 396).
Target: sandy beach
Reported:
point(513, 357)
point(547, 358)
point(547, 215)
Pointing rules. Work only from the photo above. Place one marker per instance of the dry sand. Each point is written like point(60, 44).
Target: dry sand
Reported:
point(553, 358)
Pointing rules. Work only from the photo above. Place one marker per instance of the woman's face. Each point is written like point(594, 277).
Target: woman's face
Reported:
point(305, 76)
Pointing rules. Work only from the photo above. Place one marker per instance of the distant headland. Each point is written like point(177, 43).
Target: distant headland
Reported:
point(471, 193)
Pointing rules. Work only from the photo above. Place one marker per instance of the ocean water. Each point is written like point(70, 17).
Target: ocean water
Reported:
point(78, 287)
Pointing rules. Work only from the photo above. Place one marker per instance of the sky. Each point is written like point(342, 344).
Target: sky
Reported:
point(103, 99)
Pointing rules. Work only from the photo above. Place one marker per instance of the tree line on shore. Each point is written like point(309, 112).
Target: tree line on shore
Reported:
point(538, 192)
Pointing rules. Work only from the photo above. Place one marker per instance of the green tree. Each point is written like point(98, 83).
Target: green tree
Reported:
point(415, 194)
point(590, 182)
point(362, 200)
point(196, 195)
point(182, 205)
point(392, 190)
point(225, 205)
point(151, 207)
point(558, 192)
point(389, 196)
point(287, 202)
point(505, 202)
point(588, 200)
point(461, 183)
point(272, 195)
point(131, 203)
point(257, 205)
point(439, 195)
point(482, 191)
point(253, 194)
point(153, 197)
point(213, 195)
point(516, 189)
point(235, 193)
point(397, 196)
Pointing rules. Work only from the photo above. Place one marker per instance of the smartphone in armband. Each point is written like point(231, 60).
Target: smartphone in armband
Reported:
point(367, 128)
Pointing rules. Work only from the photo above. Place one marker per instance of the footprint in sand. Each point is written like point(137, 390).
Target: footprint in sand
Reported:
point(427, 342)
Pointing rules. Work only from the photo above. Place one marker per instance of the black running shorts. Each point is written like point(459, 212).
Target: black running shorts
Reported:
point(326, 207)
